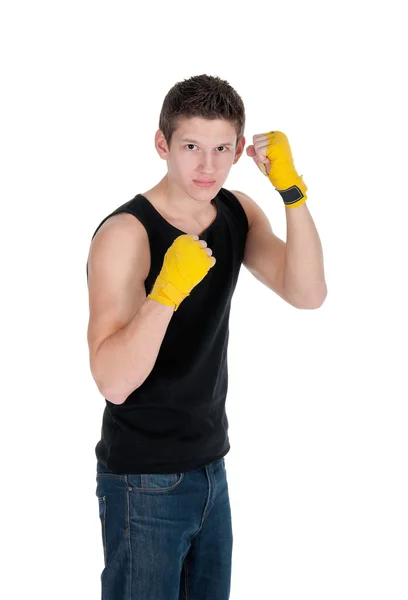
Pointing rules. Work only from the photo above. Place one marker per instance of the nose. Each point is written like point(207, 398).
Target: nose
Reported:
point(207, 165)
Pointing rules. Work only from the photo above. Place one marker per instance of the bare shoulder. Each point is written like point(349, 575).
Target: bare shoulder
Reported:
point(121, 235)
point(121, 222)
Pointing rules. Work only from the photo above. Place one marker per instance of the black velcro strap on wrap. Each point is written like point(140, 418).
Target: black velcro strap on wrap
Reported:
point(291, 195)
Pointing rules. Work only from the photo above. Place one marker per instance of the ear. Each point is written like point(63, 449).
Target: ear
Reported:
point(161, 145)
point(239, 150)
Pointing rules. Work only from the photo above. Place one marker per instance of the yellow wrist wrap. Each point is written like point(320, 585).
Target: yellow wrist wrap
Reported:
point(283, 174)
point(185, 264)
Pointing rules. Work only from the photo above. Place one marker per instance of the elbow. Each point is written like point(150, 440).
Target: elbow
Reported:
point(108, 393)
point(320, 298)
point(117, 394)
point(312, 304)
point(108, 389)
point(113, 386)
point(112, 391)
point(311, 301)
point(112, 397)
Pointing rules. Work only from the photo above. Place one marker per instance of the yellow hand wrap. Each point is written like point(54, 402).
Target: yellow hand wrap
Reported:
point(282, 172)
point(185, 264)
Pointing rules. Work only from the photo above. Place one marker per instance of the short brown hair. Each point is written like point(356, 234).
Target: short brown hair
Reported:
point(201, 96)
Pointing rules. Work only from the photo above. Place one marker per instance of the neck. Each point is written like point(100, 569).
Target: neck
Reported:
point(180, 204)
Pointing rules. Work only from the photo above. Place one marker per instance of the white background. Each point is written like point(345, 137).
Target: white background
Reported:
point(317, 398)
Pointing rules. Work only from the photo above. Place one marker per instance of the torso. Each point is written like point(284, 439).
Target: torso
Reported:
point(193, 227)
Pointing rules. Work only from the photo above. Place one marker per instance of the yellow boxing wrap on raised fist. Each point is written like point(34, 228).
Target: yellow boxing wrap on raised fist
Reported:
point(283, 174)
point(185, 264)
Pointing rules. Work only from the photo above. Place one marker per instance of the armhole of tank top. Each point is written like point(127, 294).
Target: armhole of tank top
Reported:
point(240, 208)
point(138, 219)
point(118, 212)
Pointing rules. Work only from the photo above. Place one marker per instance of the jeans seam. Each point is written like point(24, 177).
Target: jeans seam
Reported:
point(127, 507)
point(129, 538)
point(104, 530)
point(186, 578)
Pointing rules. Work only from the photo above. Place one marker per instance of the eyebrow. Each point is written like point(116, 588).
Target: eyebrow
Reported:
point(195, 142)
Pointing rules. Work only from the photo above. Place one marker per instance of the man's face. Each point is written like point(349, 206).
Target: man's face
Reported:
point(202, 149)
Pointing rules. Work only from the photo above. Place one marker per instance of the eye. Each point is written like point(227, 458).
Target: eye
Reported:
point(194, 146)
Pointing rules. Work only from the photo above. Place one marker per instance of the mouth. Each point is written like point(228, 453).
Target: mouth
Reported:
point(203, 182)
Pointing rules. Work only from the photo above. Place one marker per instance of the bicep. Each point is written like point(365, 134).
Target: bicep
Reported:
point(118, 264)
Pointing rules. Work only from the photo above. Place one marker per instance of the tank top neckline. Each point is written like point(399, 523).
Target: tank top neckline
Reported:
point(204, 232)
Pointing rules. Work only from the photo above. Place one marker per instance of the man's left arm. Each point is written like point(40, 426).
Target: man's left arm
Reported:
point(294, 269)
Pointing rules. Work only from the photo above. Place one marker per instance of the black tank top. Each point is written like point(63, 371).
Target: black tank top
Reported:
point(176, 420)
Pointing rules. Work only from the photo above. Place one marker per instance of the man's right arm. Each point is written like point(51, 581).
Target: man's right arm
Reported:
point(126, 329)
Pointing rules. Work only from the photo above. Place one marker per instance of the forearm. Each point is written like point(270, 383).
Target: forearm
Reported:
point(304, 270)
point(125, 359)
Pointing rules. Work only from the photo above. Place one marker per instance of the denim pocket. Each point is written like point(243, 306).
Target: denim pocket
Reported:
point(102, 516)
point(154, 482)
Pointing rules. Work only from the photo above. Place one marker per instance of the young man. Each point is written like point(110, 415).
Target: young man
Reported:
point(162, 269)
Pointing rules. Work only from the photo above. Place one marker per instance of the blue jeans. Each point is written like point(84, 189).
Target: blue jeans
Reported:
point(166, 536)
